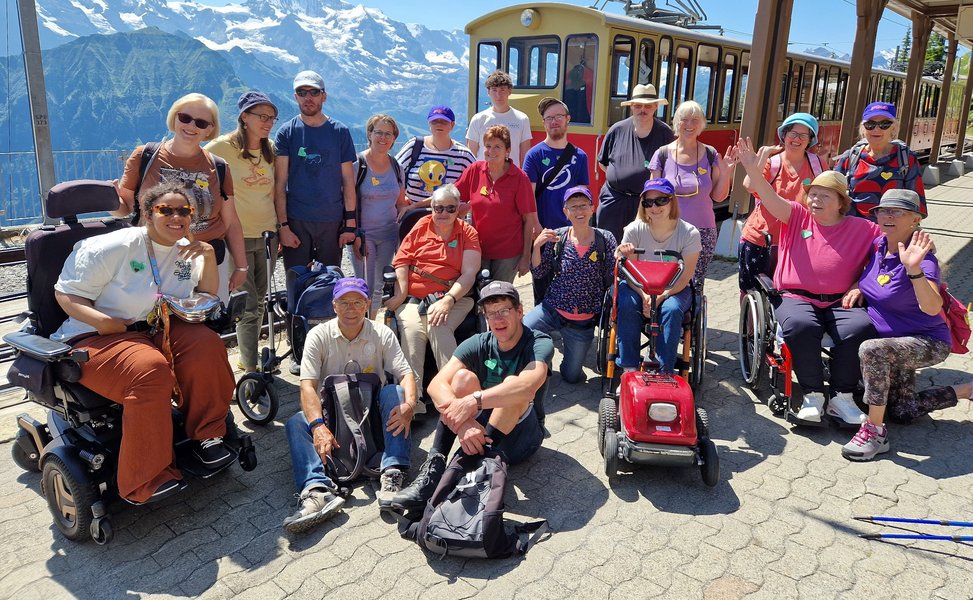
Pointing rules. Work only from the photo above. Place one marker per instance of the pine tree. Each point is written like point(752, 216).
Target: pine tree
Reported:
point(935, 55)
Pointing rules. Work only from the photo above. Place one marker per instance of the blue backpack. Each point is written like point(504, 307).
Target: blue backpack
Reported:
point(310, 292)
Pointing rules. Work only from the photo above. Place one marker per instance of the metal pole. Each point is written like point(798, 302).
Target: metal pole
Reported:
point(37, 94)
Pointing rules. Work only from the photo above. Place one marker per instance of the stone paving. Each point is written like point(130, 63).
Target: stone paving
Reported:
point(779, 524)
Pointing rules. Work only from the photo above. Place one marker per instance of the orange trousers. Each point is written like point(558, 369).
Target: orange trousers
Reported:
point(129, 368)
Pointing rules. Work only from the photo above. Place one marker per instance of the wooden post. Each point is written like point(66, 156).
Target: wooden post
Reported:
point(937, 136)
point(921, 28)
point(964, 115)
point(869, 13)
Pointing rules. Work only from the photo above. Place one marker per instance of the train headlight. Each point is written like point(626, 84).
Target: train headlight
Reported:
point(530, 19)
point(663, 412)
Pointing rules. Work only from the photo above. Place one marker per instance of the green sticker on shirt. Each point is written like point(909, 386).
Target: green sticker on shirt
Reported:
point(805, 233)
point(453, 243)
point(807, 181)
point(137, 266)
point(491, 363)
point(646, 164)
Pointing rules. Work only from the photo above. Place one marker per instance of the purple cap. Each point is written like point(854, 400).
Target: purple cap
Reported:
point(879, 109)
point(441, 113)
point(350, 284)
point(660, 184)
point(578, 190)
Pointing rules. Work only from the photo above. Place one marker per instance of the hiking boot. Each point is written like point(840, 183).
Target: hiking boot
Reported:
point(421, 489)
point(843, 407)
point(391, 484)
point(869, 441)
point(811, 408)
point(212, 453)
point(315, 506)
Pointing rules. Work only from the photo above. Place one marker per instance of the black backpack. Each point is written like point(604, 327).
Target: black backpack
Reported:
point(149, 151)
point(352, 414)
point(464, 517)
point(601, 247)
point(309, 301)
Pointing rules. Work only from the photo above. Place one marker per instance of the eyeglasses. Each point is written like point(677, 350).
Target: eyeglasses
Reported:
point(503, 313)
point(450, 208)
point(660, 201)
point(312, 92)
point(870, 125)
point(167, 211)
point(892, 212)
point(346, 304)
point(553, 118)
point(797, 136)
point(263, 118)
point(578, 207)
point(187, 119)
point(376, 132)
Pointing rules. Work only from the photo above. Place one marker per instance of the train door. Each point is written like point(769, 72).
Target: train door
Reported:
point(622, 74)
point(578, 91)
point(488, 55)
point(724, 113)
point(664, 87)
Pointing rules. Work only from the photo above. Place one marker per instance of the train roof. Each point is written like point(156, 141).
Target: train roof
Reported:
point(609, 19)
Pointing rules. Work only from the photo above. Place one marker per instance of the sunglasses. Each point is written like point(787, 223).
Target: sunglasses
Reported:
point(450, 208)
point(167, 211)
point(187, 119)
point(263, 118)
point(660, 201)
point(870, 125)
point(311, 93)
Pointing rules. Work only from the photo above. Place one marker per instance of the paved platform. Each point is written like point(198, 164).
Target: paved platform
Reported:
point(779, 524)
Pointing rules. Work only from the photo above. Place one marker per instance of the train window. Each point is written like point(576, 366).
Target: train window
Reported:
point(623, 50)
point(839, 107)
point(665, 60)
point(684, 62)
point(807, 88)
point(646, 60)
point(794, 98)
point(742, 90)
point(820, 87)
point(831, 94)
point(705, 85)
point(533, 62)
point(934, 104)
point(580, 60)
point(488, 61)
point(784, 89)
point(726, 97)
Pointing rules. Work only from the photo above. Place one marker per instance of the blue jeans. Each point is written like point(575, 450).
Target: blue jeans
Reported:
point(630, 327)
point(306, 463)
point(576, 340)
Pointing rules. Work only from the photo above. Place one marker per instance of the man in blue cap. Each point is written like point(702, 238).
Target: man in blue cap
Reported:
point(350, 339)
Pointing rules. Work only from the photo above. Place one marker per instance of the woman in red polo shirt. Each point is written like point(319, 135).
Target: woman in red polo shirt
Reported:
point(504, 211)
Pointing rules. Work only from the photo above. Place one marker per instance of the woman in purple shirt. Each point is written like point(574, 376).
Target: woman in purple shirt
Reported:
point(901, 287)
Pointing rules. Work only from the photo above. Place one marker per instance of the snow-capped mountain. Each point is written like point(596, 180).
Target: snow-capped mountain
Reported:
point(370, 63)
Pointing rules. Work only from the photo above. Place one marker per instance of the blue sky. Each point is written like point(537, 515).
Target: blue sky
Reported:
point(809, 27)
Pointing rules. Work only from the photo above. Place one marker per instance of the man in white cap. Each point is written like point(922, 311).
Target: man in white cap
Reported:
point(314, 189)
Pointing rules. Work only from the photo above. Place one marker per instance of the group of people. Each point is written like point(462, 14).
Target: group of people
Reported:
point(495, 202)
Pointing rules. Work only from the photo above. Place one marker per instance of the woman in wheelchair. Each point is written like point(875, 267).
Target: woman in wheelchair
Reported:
point(657, 226)
point(435, 268)
point(822, 254)
point(111, 288)
point(901, 285)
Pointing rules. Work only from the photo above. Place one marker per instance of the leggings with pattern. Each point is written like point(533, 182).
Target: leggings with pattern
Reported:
point(707, 238)
point(889, 370)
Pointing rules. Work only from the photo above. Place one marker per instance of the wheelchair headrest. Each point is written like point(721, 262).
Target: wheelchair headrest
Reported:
point(71, 198)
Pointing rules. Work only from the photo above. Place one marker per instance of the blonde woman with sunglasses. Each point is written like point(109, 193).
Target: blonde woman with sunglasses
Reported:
point(193, 119)
point(879, 162)
point(700, 175)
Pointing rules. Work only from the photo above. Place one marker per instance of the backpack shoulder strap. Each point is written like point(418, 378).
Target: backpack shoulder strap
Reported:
point(347, 395)
point(417, 143)
point(663, 157)
point(562, 237)
point(815, 162)
point(397, 169)
point(362, 168)
point(710, 156)
point(854, 157)
point(601, 247)
point(220, 165)
point(902, 155)
point(149, 152)
point(776, 164)
point(562, 161)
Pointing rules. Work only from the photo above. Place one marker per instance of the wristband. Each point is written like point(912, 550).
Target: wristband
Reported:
point(917, 276)
point(313, 424)
point(346, 229)
point(242, 269)
point(451, 297)
point(282, 224)
point(350, 214)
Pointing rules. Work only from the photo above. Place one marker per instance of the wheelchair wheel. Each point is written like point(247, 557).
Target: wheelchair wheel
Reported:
point(70, 500)
point(611, 452)
point(25, 453)
point(710, 469)
point(257, 398)
point(753, 330)
point(699, 347)
point(702, 422)
point(607, 417)
point(604, 329)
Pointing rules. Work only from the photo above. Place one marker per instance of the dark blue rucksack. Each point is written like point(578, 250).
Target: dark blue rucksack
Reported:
point(310, 292)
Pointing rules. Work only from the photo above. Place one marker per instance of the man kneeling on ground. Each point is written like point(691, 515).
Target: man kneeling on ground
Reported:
point(350, 340)
point(486, 394)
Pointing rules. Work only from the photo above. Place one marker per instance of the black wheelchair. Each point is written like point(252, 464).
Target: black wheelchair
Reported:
point(75, 450)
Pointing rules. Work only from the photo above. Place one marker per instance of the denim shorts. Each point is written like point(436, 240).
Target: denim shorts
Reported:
point(523, 441)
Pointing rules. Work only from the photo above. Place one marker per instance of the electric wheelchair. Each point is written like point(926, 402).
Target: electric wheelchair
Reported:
point(77, 448)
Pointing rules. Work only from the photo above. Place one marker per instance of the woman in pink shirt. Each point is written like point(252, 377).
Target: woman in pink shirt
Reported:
point(822, 255)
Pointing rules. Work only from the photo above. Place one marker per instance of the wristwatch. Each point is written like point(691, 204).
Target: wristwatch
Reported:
point(478, 396)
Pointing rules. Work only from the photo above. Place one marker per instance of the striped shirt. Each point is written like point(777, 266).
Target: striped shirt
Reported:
point(433, 169)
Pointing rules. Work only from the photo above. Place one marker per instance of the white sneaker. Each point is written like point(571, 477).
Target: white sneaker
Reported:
point(843, 407)
point(811, 408)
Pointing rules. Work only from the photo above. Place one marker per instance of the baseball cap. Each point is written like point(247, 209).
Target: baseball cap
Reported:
point(308, 79)
point(659, 184)
point(441, 113)
point(350, 284)
point(578, 190)
point(498, 289)
point(253, 98)
point(879, 109)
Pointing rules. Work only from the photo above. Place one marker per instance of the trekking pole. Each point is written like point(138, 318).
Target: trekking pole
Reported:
point(915, 521)
point(915, 536)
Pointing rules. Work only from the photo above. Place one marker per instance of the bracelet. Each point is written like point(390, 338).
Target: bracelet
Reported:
point(242, 269)
point(917, 276)
point(282, 224)
point(451, 297)
point(313, 424)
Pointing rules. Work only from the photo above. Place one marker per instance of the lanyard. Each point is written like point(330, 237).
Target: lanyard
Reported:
point(153, 263)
